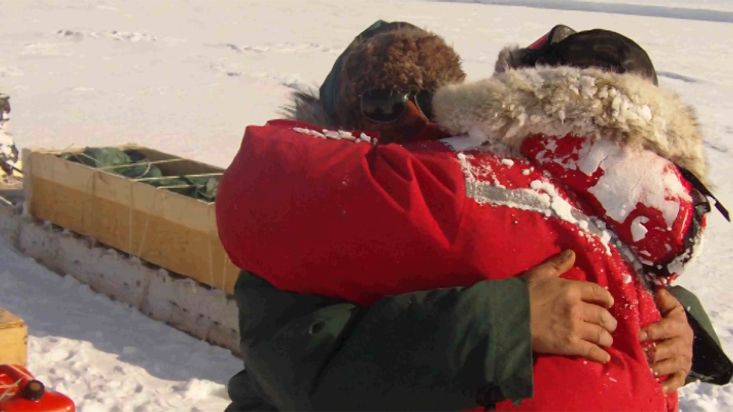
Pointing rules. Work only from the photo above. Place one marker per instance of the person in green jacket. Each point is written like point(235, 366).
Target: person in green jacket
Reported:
point(443, 349)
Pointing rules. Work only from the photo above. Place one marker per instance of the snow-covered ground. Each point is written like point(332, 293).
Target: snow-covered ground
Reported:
point(105, 355)
point(186, 76)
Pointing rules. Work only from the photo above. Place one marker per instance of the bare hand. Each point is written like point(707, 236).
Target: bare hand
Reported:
point(673, 336)
point(568, 317)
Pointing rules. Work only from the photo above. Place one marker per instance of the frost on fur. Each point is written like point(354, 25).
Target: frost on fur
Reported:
point(557, 101)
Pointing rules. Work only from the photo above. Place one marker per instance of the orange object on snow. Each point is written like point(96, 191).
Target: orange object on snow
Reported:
point(20, 391)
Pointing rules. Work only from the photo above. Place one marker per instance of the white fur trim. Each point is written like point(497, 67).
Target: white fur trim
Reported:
point(557, 101)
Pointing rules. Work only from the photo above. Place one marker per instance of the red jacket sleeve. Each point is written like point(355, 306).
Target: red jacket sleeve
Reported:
point(385, 195)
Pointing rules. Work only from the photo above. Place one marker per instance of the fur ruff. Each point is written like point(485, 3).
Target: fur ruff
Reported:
point(515, 104)
point(512, 57)
point(306, 107)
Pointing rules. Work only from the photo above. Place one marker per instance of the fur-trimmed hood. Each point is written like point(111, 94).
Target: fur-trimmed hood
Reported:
point(515, 104)
point(306, 106)
point(557, 100)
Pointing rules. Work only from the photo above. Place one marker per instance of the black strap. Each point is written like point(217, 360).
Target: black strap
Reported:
point(694, 181)
point(709, 363)
point(701, 207)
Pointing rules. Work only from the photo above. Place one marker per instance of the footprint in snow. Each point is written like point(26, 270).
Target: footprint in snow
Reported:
point(117, 35)
point(279, 48)
point(243, 49)
point(677, 76)
point(133, 37)
point(716, 146)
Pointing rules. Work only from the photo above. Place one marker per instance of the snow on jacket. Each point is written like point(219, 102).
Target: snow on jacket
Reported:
point(360, 220)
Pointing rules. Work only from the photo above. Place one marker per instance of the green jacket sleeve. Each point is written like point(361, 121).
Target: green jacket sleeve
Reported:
point(709, 363)
point(444, 349)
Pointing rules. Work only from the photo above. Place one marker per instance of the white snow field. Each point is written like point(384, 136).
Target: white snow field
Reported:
point(185, 77)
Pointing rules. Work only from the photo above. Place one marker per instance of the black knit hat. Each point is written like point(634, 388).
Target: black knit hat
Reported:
point(591, 48)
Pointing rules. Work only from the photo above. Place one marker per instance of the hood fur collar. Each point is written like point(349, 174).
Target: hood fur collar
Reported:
point(589, 102)
point(306, 106)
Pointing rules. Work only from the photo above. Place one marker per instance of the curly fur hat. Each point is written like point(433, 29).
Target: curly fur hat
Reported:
point(394, 56)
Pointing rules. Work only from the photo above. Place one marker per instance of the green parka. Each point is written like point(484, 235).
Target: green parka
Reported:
point(445, 349)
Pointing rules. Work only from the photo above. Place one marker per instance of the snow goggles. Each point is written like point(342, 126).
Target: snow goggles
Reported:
point(386, 106)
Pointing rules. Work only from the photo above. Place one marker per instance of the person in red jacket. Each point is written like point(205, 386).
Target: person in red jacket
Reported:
point(405, 116)
point(401, 116)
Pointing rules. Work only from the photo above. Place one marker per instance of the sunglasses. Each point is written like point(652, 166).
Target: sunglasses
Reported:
point(386, 106)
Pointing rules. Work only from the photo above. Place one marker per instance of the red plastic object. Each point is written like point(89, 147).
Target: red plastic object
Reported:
point(20, 391)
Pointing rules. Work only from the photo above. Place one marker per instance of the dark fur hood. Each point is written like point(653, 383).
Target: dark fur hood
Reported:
point(306, 106)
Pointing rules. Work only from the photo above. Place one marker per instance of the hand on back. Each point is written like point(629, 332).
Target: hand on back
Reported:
point(568, 317)
point(671, 353)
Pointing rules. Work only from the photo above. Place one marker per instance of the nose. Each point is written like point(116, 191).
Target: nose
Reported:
point(413, 119)
point(413, 113)
point(417, 126)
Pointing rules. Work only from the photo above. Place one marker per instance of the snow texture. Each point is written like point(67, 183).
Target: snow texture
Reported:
point(483, 186)
point(620, 166)
point(185, 77)
point(105, 355)
point(638, 230)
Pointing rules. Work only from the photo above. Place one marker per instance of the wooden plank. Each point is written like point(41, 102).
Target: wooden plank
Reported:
point(165, 228)
point(13, 337)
